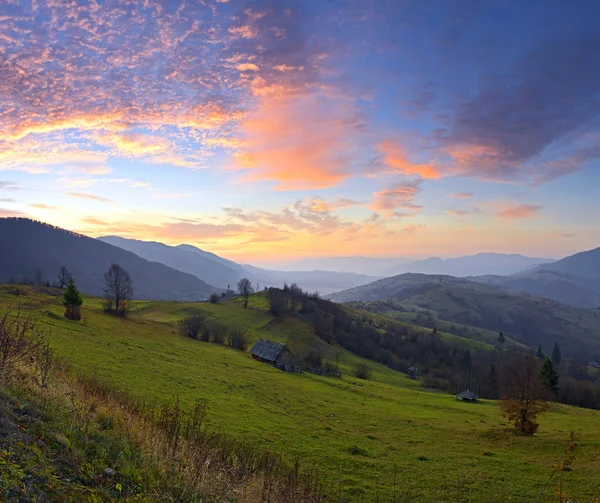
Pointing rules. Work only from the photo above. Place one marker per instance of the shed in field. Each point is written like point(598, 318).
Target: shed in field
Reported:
point(268, 351)
point(467, 396)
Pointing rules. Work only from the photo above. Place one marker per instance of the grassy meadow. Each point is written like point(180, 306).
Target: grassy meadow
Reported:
point(372, 439)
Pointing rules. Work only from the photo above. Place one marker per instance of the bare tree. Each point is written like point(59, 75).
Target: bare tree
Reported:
point(245, 289)
point(118, 289)
point(38, 277)
point(522, 393)
point(63, 277)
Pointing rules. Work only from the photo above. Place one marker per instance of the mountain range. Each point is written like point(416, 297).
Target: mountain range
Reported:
point(29, 248)
point(225, 273)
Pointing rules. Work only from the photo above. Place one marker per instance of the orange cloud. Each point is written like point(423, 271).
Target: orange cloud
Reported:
point(392, 200)
point(43, 206)
point(298, 142)
point(81, 195)
point(521, 211)
point(395, 159)
point(248, 67)
point(462, 195)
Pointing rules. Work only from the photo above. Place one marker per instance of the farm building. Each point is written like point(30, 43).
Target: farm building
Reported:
point(268, 351)
point(467, 396)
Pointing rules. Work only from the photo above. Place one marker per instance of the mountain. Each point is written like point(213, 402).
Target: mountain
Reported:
point(524, 318)
point(186, 258)
point(471, 265)
point(222, 272)
point(324, 282)
point(574, 280)
point(28, 245)
point(360, 265)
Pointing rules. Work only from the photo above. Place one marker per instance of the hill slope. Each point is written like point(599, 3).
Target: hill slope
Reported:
point(222, 272)
point(530, 320)
point(27, 245)
point(355, 431)
point(472, 265)
point(574, 280)
point(186, 258)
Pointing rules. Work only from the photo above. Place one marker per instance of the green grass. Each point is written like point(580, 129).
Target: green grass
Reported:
point(354, 431)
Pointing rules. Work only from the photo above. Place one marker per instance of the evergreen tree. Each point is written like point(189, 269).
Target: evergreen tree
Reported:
point(501, 338)
point(556, 356)
point(71, 296)
point(540, 353)
point(72, 301)
point(550, 376)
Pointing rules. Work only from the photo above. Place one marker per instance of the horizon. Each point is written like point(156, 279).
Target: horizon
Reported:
point(271, 132)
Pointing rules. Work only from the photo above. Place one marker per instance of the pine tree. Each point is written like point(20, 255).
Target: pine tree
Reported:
point(556, 356)
point(550, 376)
point(72, 301)
point(501, 338)
point(540, 353)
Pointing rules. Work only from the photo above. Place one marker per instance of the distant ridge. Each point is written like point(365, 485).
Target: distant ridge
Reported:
point(28, 245)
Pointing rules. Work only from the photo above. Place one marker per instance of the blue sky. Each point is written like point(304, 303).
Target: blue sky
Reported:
point(270, 130)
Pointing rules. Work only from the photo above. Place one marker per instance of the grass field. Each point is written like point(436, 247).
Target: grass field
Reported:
point(361, 434)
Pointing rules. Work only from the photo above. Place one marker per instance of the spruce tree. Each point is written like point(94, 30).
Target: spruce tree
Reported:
point(556, 356)
point(501, 338)
point(540, 353)
point(72, 300)
point(550, 376)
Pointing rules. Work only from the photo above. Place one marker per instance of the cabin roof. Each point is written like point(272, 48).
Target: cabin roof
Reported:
point(467, 395)
point(268, 350)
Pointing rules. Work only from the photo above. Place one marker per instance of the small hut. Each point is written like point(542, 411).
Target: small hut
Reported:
point(413, 372)
point(467, 396)
point(268, 351)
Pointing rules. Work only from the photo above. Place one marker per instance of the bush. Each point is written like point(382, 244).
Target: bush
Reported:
point(214, 298)
point(219, 332)
point(191, 325)
point(237, 338)
point(362, 371)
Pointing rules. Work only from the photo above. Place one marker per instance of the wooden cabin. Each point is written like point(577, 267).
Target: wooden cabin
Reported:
point(268, 351)
point(467, 396)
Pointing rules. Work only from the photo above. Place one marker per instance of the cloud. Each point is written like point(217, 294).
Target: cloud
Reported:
point(8, 186)
point(81, 195)
point(401, 197)
point(248, 67)
point(394, 157)
point(463, 213)
point(462, 195)
point(40, 206)
point(7, 200)
point(299, 143)
point(519, 119)
point(521, 211)
point(5, 213)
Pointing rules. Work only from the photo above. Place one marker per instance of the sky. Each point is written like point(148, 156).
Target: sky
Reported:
point(271, 130)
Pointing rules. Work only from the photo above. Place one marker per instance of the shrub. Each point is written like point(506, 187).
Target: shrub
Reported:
point(191, 325)
point(362, 371)
point(214, 298)
point(237, 338)
point(219, 332)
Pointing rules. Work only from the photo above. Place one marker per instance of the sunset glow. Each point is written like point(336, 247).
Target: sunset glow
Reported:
point(269, 130)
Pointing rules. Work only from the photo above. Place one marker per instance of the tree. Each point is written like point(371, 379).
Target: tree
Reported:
point(245, 289)
point(38, 277)
point(501, 338)
point(540, 353)
point(523, 395)
point(118, 289)
point(63, 277)
point(214, 298)
point(362, 371)
point(295, 294)
point(556, 356)
point(549, 376)
point(72, 301)
point(493, 382)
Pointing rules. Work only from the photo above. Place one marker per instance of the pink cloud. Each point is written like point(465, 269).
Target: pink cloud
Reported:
point(521, 211)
